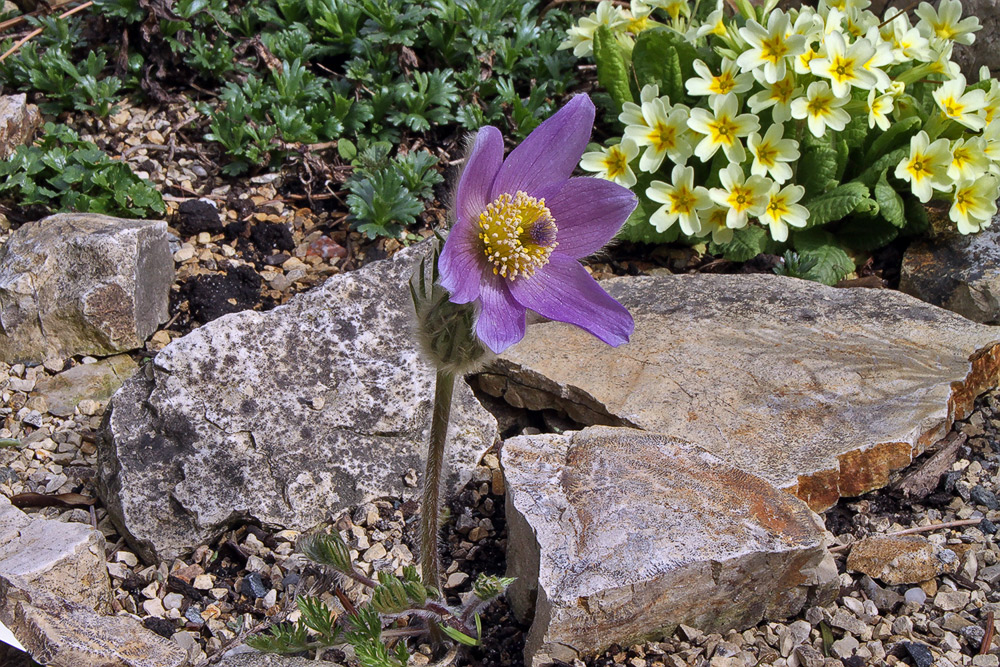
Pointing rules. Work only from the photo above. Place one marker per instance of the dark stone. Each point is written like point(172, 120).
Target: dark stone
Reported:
point(884, 599)
point(949, 479)
point(235, 229)
point(985, 497)
point(253, 586)
point(291, 579)
point(973, 634)
point(268, 236)
point(195, 216)
point(921, 655)
point(277, 259)
point(988, 526)
point(854, 661)
point(193, 616)
point(209, 296)
point(160, 626)
point(7, 475)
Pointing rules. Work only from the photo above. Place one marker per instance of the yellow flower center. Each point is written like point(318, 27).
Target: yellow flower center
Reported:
point(723, 83)
point(518, 234)
point(723, 130)
point(818, 106)
point(740, 198)
point(615, 162)
point(952, 108)
point(773, 49)
point(945, 31)
point(777, 208)
point(781, 91)
point(766, 153)
point(919, 168)
point(682, 201)
point(842, 69)
point(962, 202)
point(663, 136)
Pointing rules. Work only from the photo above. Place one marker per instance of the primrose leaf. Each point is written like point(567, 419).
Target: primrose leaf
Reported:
point(836, 203)
point(612, 73)
point(889, 202)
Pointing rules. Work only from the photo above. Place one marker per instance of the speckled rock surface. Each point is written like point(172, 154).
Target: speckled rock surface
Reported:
point(18, 122)
point(285, 416)
point(80, 283)
point(985, 50)
point(60, 633)
point(65, 559)
point(902, 559)
point(617, 534)
point(265, 660)
point(960, 273)
point(97, 381)
point(820, 391)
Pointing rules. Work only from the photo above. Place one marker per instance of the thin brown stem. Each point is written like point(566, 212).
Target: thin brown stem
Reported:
point(919, 529)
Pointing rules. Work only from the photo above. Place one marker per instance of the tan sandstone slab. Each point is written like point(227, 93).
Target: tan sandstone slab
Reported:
point(820, 391)
point(616, 535)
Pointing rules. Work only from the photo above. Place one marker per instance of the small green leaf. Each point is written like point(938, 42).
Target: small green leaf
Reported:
point(836, 203)
point(867, 234)
point(346, 149)
point(817, 168)
point(458, 636)
point(612, 72)
point(663, 56)
point(830, 261)
point(898, 133)
point(889, 202)
point(747, 243)
point(9, 442)
point(870, 176)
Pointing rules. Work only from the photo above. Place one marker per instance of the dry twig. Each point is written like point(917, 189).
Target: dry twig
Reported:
point(35, 33)
point(918, 529)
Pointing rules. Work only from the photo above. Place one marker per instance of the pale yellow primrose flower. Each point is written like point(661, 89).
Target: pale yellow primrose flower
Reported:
point(742, 197)
point(681, 201)
point(729, 79)
point(879, 107)
point(945, 23)
point(968, 159)
point(974, 203)
point(991, 145)
point(663, 133)
point(580, 37)
point(845, 65)
point(714, 220)
point(722, 127)
point(905, 40)
point(783, 210)
point(631, 112)
point(713, 25)
point(770, 47)
point(612, 163)
point(821, 109)
point(960, 105)
point(778, 96)
point(926, 168)
point(772, 153)
point(992, 102)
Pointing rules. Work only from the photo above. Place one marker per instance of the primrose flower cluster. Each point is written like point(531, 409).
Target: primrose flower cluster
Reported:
point(777, 109)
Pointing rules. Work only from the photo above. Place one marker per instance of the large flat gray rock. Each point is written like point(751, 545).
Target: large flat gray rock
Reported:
point(284, 416)
point(617, 535)
point(81, 283)
point(819, 391)
point(960, 273)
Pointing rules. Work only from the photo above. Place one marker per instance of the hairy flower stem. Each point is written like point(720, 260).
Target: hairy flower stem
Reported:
point(430, 512)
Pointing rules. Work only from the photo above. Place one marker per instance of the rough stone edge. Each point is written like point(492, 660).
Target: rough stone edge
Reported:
point(860, 471)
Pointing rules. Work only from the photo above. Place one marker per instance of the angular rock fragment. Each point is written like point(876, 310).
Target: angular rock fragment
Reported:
point(264, 660)
point(617, 534)
point(284, 416)
point(66, 559)
point(901, 559)
point(820, 391)
point(98, 381)
point(18, 122)
point(80, 283)
point(960, 273)
point(60, 633)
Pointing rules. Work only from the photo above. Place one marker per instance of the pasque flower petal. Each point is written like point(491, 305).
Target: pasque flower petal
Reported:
point(501, 321)
point(462, 262)
point(563, 290)
point(551, 152)
point(480, 170)
point(588, 213)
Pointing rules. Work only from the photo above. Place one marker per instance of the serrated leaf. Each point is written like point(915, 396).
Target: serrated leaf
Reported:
point(830, 262)
point(856, 131)
point(889, 202)
point(747, 243)
point(870, 176)
point(612, 71)
point(816, 169)
point(662, 56)
point(842, 153)
point(898, 133)
point(836, 203)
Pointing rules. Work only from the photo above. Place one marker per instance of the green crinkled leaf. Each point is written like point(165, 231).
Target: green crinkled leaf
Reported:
point(842, 153)
point(867, 234)
point(889, 202)
point(662, 56)
point(888, 161)
point(816, 169)
point(829, 261)
point(836, 203)
point(898, 133)
point(612, 71)
point(856, 131)
point(747, 243)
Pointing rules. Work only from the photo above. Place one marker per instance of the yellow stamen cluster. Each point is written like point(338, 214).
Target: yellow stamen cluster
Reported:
point(518, 234)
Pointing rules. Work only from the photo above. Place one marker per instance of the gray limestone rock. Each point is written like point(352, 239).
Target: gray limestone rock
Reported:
point(983, 51)
point(64, 391)
point(284, 416)
point(616, 535)
point(18, 122)
point(80, 283)
point(65, 559)
point(960, 273)
point(60, 633)
point(820, 391)
point(255, 659)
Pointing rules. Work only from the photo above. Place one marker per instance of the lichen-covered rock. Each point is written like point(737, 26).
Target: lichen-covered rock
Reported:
point(60, 633)
point(960, 273)
point(65, 559)
point(80, 283)
point(284, 416)
point(985, 51)
point(617, 534)
point(18, 122)
point(901, 559)
point(820, 391)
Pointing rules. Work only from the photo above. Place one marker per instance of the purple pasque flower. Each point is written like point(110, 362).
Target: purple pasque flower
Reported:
point(523, 223)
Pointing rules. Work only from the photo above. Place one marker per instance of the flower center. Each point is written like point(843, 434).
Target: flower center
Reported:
point(518, 234)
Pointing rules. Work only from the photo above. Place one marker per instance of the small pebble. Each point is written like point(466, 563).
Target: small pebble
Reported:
point(915, 595)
